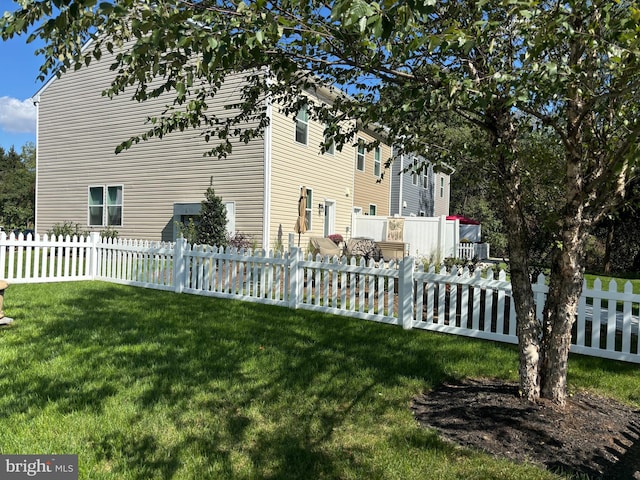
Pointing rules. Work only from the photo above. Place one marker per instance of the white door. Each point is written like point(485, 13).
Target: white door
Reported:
point(231, 217)
point(329, 217)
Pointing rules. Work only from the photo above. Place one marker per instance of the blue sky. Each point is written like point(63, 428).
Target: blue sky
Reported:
point(18, 83)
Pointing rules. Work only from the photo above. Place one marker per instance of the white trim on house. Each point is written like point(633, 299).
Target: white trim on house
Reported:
point(36, 102)
point(330, 207)
point(266, 207)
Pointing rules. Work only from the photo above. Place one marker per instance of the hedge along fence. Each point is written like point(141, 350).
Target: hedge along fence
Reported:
point(400, 293)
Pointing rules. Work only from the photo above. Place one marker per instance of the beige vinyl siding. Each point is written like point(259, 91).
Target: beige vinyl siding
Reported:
point(79, 130)
point(367, 189)
point(295, 165)
point(441, 202)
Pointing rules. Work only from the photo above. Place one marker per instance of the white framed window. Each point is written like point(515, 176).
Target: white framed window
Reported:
point(331, 148)
point(360, 155)
point(309, 209)
point(377, 162)
point(414, 174)
point(105, 204)
point(425, 180)
point(441, 187)
point(302, 125)
point(373, 209)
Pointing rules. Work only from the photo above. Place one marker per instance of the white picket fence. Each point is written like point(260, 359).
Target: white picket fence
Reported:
point(469, 251)
point(400, 293)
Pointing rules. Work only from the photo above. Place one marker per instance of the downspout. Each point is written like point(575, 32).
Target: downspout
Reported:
point(36, 102)
point(401, 178)
point(266, 215)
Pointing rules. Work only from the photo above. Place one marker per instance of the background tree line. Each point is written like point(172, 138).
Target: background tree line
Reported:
point(613, 246)
point(17, 187)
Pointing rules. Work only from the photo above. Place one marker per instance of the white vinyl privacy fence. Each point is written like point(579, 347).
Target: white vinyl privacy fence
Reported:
point(400, 293)
point(426, 237)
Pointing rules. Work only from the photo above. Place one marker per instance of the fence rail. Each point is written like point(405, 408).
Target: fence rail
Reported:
point(400, 293)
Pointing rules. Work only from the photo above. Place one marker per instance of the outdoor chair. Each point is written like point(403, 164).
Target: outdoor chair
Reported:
point(325, 246)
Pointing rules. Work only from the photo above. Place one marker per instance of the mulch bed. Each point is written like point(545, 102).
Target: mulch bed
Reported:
point(592, 436)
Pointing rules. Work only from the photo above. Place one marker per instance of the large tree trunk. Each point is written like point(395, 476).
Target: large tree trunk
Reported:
point(565, 288)
point(527, 327)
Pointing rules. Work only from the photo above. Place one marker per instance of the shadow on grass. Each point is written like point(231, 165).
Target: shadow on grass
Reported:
point(250, 390)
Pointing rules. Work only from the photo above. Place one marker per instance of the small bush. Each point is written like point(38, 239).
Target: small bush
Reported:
point(109, 233)
point(336, 238)
point(188, 231)
point(239, 240)
point(461, 262)
point(213, 221)
point(67, 228)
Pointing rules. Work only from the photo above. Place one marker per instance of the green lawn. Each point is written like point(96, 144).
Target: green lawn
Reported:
point(635, 282)
point(145, 384)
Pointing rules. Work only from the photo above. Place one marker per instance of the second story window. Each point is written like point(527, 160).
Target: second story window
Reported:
point(302, 125)
point(377, 162)
point(331, 148)
point(360, 156)
point(441, 187)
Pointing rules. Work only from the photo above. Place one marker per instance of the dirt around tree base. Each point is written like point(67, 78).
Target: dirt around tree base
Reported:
point(592, 436)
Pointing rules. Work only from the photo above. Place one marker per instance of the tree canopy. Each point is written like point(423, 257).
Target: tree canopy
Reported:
point(510, 68)
point(17, 188)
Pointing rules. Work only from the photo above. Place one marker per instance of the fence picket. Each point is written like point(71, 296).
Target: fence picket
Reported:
point(611, 318)
point(502, 276)
point(475, 321)
point(334, 282)
point(361, 283)
point(371, 286)
point(596, 315)
point(626, 321)
point(488, 304)
point(464, 300)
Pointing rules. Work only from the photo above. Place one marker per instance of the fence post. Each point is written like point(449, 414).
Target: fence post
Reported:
point(442, 236)
point(405, 292)
point(94, 239)
point(178, 264)
point(295, 277)
point(3, 253)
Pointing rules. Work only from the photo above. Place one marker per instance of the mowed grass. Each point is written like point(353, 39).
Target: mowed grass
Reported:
point(145, 384)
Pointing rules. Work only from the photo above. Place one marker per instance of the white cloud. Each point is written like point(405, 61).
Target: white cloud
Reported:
point(17, 116)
